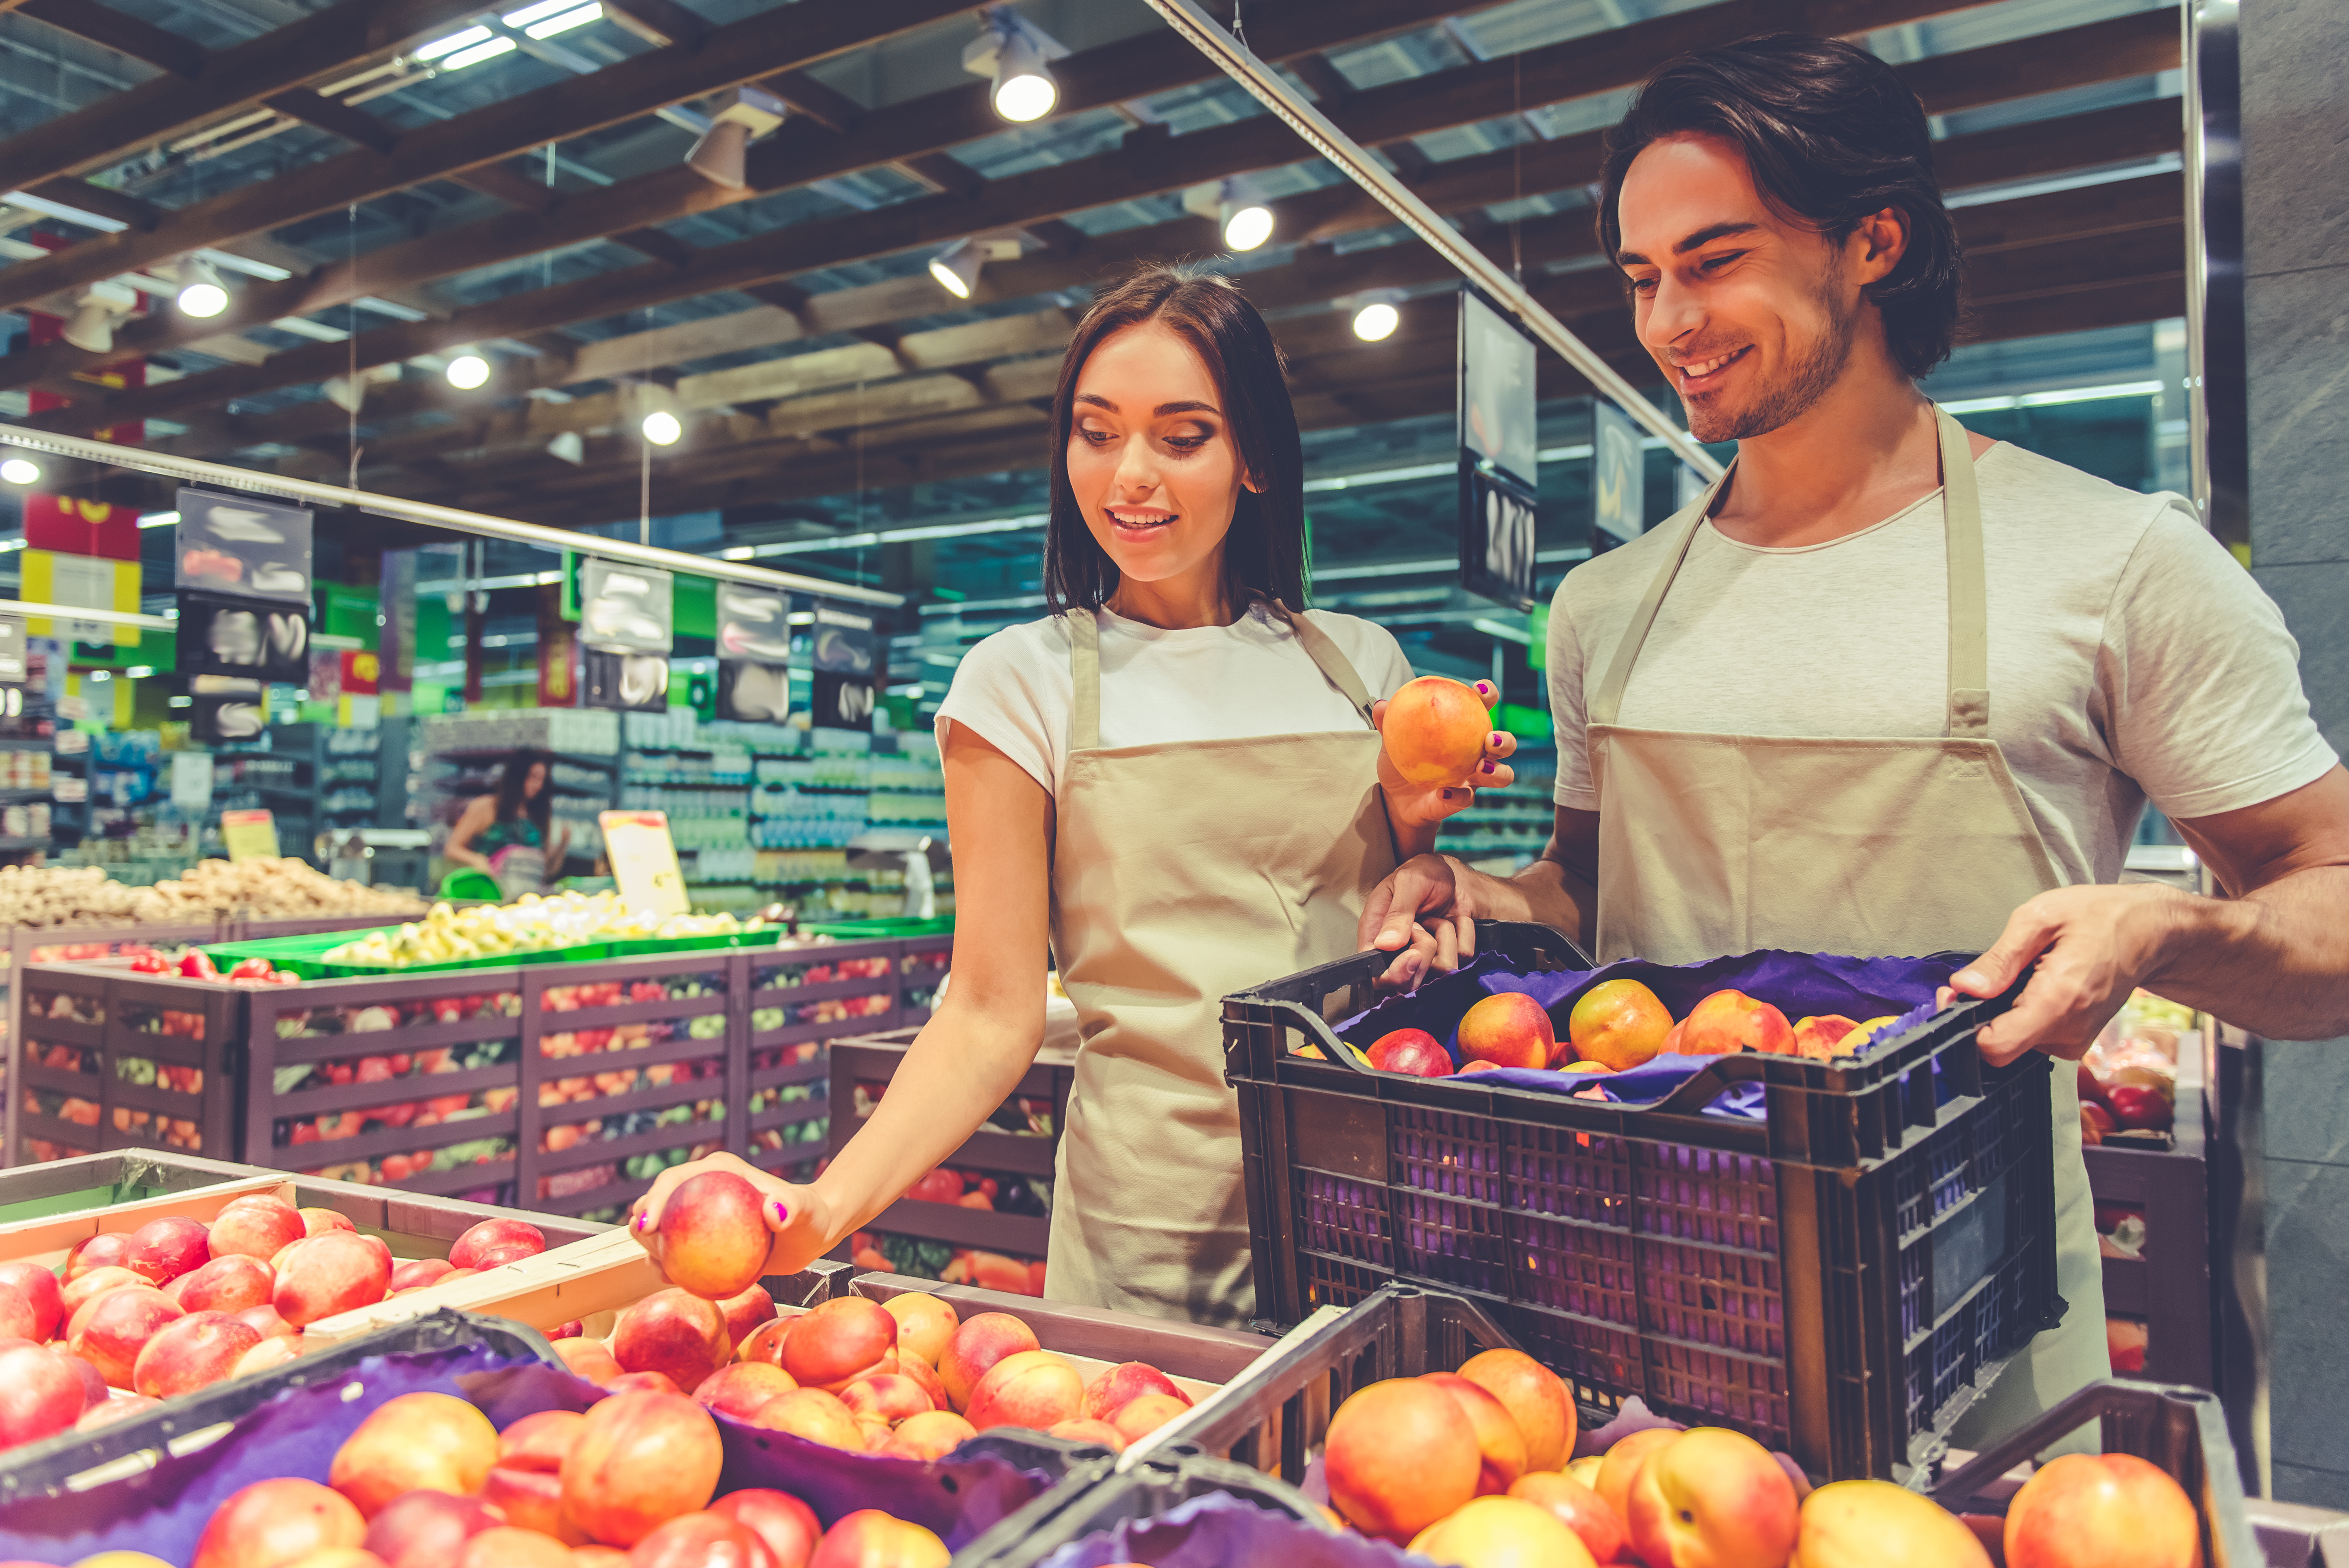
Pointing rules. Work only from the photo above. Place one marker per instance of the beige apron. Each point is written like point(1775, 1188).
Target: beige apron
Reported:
point(1183, 873)
point(1872, 846)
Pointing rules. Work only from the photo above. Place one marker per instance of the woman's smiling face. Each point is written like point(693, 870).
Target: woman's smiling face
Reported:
point(1151, 462)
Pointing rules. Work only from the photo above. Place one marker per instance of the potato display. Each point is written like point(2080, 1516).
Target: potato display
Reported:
point(529, 925)
point(49, 898)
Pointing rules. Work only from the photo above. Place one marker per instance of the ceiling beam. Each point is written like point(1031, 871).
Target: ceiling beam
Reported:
point(110, 29)
point(233, 80)
point(1148, 161)
point(353, 124)
point(782, 39)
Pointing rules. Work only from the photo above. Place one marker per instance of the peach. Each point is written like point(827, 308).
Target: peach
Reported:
point(1111, 1392)
point(786, 1525)
point(765, 1343)
point(1401, 1454)
point(1536, 1399)
point(268, 1356)
point(891, 1396)
point(106, 1412)
point(107, 1249)
point(592, 1557)
point(745, 1310)
point(1143, 1416)
point(417, 1272)
point(1713, 1497)
point(930, 1436)
point(539, 1441)
point(919, 1370)
point(111, 1330)
point(2080, 1508)
point(498, 1258)
point(41, 1291)
point(588, 1358)
point(503, 1546)
point(1412, 1051)
point(1508, 1029)
point(330, 1274)
point(40, 1394)
point(526, 1483)
point(739, 1388)
point(871, 1539)
point(1086, 1430)
point(465, 1253)
point(187, 1354)
point(1728, 1022)
point(255, 1227)
point(1433, 730)
point(85, 1287)
point(705, 1540)
point(94, 1387)
point(925, 1324)
point(976, 1346)
point(675, 1332)
point(1621, 1464)
point(1578, 1507)
point(1864, 1033)
point(318, 1222)
point(229, 1283)
point(839, 1342)
point(872, 1431)
point(1860, 1523)
point(266, 1320)
point(434, 1441)
point(1618, 1024)
point(1818, 1039)
point(1499, 1443)
point(18, 1321)
point(639, 1460)
point(427, 1528)
point(813, 1414)
point(644, 1383)
point(1503, 1532)
point(336, 1557)
point(712, 1238)
point(273, 1522)
point(1033, 1388)
point(1586, 1470)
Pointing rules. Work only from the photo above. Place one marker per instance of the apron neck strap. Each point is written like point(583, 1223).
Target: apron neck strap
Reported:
point(1084, 670)
point(1968, 707)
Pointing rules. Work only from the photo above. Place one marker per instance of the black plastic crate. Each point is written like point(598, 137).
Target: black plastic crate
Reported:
point(1093, 1500)
point(1837, 1280)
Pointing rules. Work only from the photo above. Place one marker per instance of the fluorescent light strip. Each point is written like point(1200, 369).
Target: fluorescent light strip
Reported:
point(478, 52)
point(887, 536)
point(1498, 629)
point(2056, 398)
point(451, 44)
point(539, 12)
point(579, 16)
point(159, 519)
point(49, 209)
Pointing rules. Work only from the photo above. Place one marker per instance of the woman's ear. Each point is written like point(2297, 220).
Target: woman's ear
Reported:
point(1248, 483)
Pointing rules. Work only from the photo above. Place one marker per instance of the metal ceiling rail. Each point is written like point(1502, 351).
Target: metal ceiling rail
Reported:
point(1268, 88)
point(191, 470)
point(80, 613)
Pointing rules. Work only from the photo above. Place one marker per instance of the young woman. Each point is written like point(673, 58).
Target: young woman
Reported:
point(505, 832)
point(1173, 782)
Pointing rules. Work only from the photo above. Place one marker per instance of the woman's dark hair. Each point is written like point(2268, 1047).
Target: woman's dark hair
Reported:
point(1265, 551)
point(1832, 135)
point(539, 806)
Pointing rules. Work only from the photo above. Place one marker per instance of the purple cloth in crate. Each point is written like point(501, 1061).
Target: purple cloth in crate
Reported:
point(1798, 984)
point(1218, 1531)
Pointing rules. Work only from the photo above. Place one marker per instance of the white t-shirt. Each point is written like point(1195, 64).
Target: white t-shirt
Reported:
point(1205, 683)
point(2130, 657)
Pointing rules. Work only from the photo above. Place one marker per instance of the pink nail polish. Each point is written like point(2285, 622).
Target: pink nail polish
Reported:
point(1481, 687)
point(780, 1213)
point(1488, 765)
point(1495, 739)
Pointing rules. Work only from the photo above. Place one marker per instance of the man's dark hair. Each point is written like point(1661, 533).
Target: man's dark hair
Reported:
point(1832, 135)
point(1265, 551)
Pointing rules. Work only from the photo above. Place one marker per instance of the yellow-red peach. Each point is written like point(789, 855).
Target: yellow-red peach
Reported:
point(189, 1353)
point(87, 1286)
point(745, 1311)
point(1728, 1022)
point(427, 1528)
point(712, 1238)
point(2083, 1509)
point(871, 1539)
point(739, 1388)
point(1618, 1023)
point(1713, 1497)
point(1084, 1429)
point(925, 1324)
point(229, 1284)
point(639, 1460)
point(765, 1343)
point(265, 1321)
point(786, 1525)
point(1861, 1523)
point(1145, 1415)
point(891, 1396)
point(1578, 1507)
point(931, 1436)
point(1536, 1399)
point(976, 1346)
point(107, 1249)
point(267, 1355)
point(417, 1272)
point(1122, 1384)
point(318, 1222)
point(329, 1273)
point(1033, 1388)
point(504, 1546)
point(1401, 1454)
point(435, 1441)
point(1508, 1029)
point(1819, 1038)
point(673, 1332)
point(526, 1483)
point(839, 1342)
point(704, 1540)
point(279, 1522)
point(38, 1286)
point(1499, 1443)
point(111, 1330)
point(1433, 730)
point(466, 1251)
point(1620, 1465)
point(920, 1371)
point(40, 1394)
point(588, 1358)
point(1503, 1532)
point(254, 1227)
point(813, 1414)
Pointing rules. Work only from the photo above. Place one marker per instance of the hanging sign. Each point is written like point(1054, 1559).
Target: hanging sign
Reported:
point(845, 684)
point(644, 861)
point(1618, 498)
point(625, 608)
point(1499, 461)
point(249, 835)
point(754, 649)
point(224, 636)
point(12, 650)
point(242, 545)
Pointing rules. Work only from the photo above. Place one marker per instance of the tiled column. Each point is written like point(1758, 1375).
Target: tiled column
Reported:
point(2295, 97)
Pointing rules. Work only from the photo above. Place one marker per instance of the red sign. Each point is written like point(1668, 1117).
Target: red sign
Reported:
point(361, 671)
point(73, 527)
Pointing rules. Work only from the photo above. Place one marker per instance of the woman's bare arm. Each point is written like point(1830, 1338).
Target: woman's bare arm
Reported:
point(472, 824)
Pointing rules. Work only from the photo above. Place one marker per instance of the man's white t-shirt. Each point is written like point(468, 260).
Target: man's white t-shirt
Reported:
point(1205, 683)
point(2130, 657)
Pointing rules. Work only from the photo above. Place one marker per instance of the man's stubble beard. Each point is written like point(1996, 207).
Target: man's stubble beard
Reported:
point(1809, 379)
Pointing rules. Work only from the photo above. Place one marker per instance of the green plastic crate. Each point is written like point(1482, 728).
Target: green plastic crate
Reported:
point(306, 956)
point(900, 926)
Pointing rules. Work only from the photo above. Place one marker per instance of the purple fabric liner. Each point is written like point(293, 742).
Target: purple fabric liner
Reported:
point(162, 1511)
point(1218, 1531)
point(1798, 984)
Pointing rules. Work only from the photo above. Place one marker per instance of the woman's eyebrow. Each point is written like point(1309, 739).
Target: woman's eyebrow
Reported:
point(1165, 408)
point(1097, 401)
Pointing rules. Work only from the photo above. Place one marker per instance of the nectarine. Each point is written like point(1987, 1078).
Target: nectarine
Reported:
point(465, 1252)
point(976, 1346)
point(639, 1460)
point(41, 1394)
point(1618, 1023)
point(838, 1341)
point(1412, 1051)
point(255, 1227)
point(427, 1528)
point(1499, 1443)
point(38, 1286)
point(871, 1539)
point(1433, 730)
point(1620, 1465)
point(229, 1283)
point(277, 1521)
point(705, 1540)
point(2079, 1510)
point(786, 1525)
point(1122, 1384)
point(434, 1441)
point(673, 1332)
point(1713, 1497)
point(111, 1330)
point(1861, 1523)
point(1536, 1399)
point(1401, 1455)
point(739, 1388)
point(925, 1324)
point(1578, 1507)
point(930, 1436)
point(1728, 1022)
point(1508, 1029)
point(184, 1355)
point(712, 1239)
point(1033, 1388)
point(334, 1272)
point(813, 1414)
point(1503, 1532)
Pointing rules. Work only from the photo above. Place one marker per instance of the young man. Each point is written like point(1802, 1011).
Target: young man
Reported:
point(1891, 687)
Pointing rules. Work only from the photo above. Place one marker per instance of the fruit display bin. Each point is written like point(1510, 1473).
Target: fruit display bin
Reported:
point(801, 1000)
point(2168, 1284)
point(1012, 1148)
point(1834, 1278)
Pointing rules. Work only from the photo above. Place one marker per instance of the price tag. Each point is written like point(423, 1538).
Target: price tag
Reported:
point(252, 835)
point(644, 861)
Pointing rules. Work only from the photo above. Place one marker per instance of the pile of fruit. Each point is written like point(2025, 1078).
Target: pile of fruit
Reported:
point(1473, 1469)
point(141, 1316)
point(280, 889)
point(195, 964)
point(529, 925)
point(2128, 1079)
point(918, 1257)
point(1614, 1025)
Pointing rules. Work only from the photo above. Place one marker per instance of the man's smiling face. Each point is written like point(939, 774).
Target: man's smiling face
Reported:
point(1750, 314)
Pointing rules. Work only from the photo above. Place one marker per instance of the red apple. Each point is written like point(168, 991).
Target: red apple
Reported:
point(1413, 1051)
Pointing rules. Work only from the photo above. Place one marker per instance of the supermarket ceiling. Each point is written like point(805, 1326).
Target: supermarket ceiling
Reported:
point(398, 196)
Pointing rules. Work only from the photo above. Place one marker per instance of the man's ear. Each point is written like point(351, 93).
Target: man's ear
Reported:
point(1883, 240)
